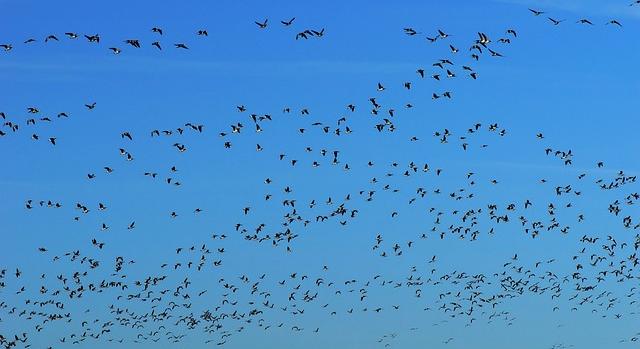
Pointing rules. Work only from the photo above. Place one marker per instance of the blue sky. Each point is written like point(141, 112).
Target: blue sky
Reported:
point(578, 85)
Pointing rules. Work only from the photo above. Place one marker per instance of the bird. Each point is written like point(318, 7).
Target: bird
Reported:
point(554, 21)
point(536, 12)
point(615, 22)
point(91, 38)
point(302, 35)
point(286, 23)
point(318, 33)
point(133, 42)
point(263, 24)
point(495, 54)
point(50, 38)
point(410, 31)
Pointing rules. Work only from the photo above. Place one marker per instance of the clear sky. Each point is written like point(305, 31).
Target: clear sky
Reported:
point(577, 84)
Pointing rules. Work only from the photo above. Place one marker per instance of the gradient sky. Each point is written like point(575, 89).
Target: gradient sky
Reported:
point(578, 85)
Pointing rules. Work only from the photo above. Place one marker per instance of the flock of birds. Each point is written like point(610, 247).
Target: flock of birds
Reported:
point(579, 21)
point(156, 42)
point(170, 302)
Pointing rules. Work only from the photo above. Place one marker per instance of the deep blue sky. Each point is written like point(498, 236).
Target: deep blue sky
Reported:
point(576, 84)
